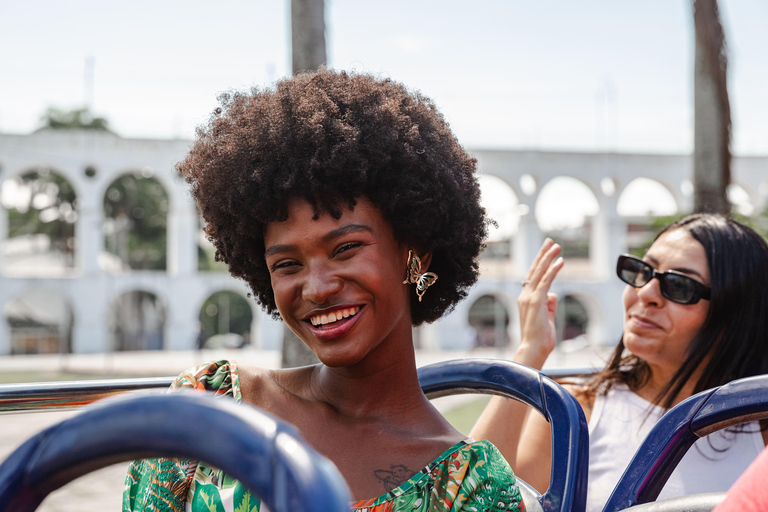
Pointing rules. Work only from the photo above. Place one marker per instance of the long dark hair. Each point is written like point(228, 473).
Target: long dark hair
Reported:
point(735, 331)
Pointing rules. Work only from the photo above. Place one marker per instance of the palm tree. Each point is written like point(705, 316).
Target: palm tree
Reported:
point(712, 111)
point(307, 34)
point(307, 54)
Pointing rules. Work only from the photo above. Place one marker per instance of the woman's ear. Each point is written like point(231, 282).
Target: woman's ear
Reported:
point(426, 259)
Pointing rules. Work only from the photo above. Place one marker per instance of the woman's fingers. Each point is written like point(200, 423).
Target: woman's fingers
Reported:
point(539, 255)
point(537, 306)
point(540, 272)
point(551, 273)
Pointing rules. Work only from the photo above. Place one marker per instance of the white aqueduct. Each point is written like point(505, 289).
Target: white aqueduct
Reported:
point(90, 290)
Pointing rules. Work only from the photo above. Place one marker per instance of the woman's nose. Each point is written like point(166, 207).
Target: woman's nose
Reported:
point(321, 285)
point(650, 292)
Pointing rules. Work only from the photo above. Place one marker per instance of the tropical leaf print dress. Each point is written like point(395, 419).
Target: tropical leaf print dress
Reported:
point(469, 476)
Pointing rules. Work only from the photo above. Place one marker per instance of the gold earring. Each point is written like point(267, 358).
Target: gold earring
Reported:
point(414, 275)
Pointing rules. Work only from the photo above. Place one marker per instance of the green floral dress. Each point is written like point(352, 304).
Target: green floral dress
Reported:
point(469, 476)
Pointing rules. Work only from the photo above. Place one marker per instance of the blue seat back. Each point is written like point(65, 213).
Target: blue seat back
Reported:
point(570, 439)
point(668, 441)
point(267, 455)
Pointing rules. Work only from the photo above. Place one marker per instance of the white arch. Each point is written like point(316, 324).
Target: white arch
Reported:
point(66, 173)
point(53, 307)
point(501, 204)
point(163, 311)
point(574, 200)
point(162, 180)
point(644, 197)
point(30, 169)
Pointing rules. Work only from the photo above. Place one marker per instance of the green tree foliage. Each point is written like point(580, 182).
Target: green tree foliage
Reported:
point(136, 208)
point(82, 118)
point(758, 222)
point(571, 319)
point(225, 312)
point(206, 252)
point(44, 203)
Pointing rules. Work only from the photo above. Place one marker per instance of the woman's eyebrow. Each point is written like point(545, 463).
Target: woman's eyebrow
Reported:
point(345, 230)
point(277, 249)
point(684, 270)
point(331, 235)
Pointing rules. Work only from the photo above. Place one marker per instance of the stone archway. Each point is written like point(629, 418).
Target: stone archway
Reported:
point(42, 214)
point(488, 320)
point(136, 209)
point(572, 318)
point(565, 210)
point(137, 321)
point(642, 201)
point(41, 322)
point(225, 319)
point(503, 207)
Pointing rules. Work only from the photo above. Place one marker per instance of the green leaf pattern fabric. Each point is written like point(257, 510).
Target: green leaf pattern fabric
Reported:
point(469, 476)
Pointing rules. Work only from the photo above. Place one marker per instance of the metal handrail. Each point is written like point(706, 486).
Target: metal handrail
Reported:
point(46, 396)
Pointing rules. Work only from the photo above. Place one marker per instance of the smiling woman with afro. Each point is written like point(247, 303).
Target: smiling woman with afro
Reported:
point(324, 194)
point(330, 137)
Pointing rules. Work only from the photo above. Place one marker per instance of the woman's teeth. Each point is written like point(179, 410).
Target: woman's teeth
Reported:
point(329, 318)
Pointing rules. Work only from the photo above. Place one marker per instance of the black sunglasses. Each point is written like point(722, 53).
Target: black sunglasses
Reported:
point(675, 286)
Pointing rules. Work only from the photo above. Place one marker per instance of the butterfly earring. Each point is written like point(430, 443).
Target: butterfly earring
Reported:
point(414, 275)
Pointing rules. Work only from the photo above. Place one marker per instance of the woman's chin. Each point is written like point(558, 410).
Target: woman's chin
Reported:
point(337, 358)
point(641, 347)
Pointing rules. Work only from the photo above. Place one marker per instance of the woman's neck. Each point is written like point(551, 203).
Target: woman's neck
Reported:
point(658, 380)
point(376, 387)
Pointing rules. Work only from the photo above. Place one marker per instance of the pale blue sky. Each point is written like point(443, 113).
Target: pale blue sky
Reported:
point(589, 75)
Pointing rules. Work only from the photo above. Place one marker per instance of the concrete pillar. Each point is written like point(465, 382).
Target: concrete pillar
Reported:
point(3, 236)
point(270, 332)
point(90, 240)
point(182, 241)
point(182, 307)
point(5, 330)
point(181, 324)
point(254, 335)
point(89, 230)
point(608, 238)
point(527, 241)
point(90, 306)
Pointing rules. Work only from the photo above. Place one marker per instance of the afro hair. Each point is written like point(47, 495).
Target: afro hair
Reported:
point(331, 137)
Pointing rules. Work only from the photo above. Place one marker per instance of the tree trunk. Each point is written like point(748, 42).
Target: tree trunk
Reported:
point(307, 54)
point(307, 34)
point(712, 112)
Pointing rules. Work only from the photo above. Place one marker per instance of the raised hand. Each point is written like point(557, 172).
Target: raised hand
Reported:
point(537, 307)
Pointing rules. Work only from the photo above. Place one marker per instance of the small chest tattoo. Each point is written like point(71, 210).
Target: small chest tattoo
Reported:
point(393, 477)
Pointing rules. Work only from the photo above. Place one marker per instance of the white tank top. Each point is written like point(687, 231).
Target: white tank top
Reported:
point(621, 419)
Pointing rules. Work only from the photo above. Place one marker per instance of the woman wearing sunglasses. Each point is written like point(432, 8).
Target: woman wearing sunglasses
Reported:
point(695, 317)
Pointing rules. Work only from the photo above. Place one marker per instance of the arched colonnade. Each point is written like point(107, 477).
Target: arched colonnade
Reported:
point(92, 161)
point(607, 175)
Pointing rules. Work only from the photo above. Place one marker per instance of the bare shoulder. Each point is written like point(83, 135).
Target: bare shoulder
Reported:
point(583, 395)
point(265, 387)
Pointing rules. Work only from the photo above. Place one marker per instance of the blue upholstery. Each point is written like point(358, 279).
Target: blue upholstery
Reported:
point(666, 444)
point(570, 442)
point(267, 455)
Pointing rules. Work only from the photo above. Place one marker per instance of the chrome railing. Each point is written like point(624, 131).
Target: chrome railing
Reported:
point(44, 396)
